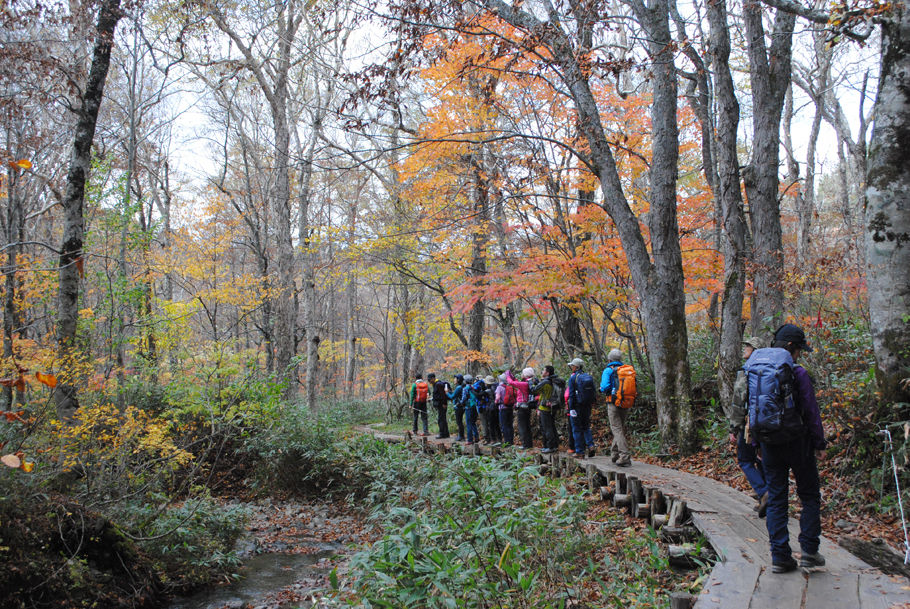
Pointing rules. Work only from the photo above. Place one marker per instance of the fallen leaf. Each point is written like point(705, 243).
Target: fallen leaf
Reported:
point(10, 461)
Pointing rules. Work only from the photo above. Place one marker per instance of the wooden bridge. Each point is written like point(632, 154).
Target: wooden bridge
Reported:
point(741, 578)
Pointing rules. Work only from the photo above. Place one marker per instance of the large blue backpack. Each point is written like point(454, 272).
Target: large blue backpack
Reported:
point(585, 390)
point(774, 414)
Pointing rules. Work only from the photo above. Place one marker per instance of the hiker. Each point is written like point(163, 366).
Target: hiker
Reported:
point(471, 403)
point(480, 392)
point(420, 391)
point(493, 435)
point(746, 455)
point(570, 433)
point(785, 420)
point(506, 397)
point(523, 405)
point(440, 405)
point(549, 398)
point(609, 385)
point(582, 395)
point(457, 396)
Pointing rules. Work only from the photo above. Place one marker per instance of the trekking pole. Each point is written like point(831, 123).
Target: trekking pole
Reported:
point(889, 446)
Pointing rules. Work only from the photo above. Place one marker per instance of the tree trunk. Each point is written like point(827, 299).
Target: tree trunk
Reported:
point(730, 196)
point(770, 75)
point(887, 214)
point(71, 254)
point(659, 284)
point(12, 320)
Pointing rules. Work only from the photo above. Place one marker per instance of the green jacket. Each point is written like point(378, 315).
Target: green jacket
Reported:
point(736, 412)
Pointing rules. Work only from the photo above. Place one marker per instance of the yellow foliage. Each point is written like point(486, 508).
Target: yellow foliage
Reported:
point(105, 436)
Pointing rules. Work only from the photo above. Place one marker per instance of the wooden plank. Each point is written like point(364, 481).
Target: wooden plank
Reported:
point(779, 590)
point(726, 540)
point(730, 586)
point(878, 591)
point(828, 590)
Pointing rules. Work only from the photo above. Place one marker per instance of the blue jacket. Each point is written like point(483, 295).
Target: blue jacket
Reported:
point(608, 380)
point(455, 396)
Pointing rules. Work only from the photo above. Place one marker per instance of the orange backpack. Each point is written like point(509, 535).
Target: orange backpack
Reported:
point(625, 386)
point(422, 390)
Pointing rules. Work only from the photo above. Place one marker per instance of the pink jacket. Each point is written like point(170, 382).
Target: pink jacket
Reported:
point(520, 386)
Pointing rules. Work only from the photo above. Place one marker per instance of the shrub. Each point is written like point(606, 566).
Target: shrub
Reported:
point(468, 533)
point(191, 543)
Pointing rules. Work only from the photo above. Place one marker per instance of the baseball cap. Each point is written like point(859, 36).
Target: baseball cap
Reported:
point(788, 333)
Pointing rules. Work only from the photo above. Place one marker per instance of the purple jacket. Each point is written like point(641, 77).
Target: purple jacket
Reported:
point(812, 417)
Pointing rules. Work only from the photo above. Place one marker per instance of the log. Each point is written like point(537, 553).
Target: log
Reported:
point(877, 553)
point(642, 510)
point(684, 556)
point(591, 474)
point(658, 520)
point(538, 459)
point(606, 493)
point(678, 535)
point(682, 600)
point(657, 501)
point(635, 490)
point(621, 500)
point(677, 513)
point(621, 483)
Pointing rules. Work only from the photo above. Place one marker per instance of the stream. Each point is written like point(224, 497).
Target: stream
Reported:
point(265, 578)
point(288, 552)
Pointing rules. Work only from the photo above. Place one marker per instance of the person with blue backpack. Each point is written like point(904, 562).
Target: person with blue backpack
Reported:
point(785, 421)
point(746, 456)
point(582, 395)
point(457, 397)
point(472, 404)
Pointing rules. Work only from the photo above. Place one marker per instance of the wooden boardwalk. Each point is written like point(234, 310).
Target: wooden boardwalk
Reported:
point(742, 577)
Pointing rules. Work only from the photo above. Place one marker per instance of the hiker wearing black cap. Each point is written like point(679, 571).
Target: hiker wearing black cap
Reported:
point(457, 396)
point(440, 404)
point(785, 420)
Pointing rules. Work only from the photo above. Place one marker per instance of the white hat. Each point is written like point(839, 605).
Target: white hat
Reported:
point(527, 373)
point(615, 355)
point(577, 363)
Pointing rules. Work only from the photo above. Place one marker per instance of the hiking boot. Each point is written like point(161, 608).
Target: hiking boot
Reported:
point(624, 462)
point(811, 561)
point(784, 566)
point(546, 451)
point(570, 452)
point(763, 505)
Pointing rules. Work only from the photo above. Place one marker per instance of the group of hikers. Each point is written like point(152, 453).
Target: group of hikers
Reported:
point(775, 425)
point(498, 405)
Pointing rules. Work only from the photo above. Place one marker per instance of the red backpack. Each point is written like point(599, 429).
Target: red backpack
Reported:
point(510, 396)
point(422, 390)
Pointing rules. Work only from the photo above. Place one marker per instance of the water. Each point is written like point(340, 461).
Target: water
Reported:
point(260, 575)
